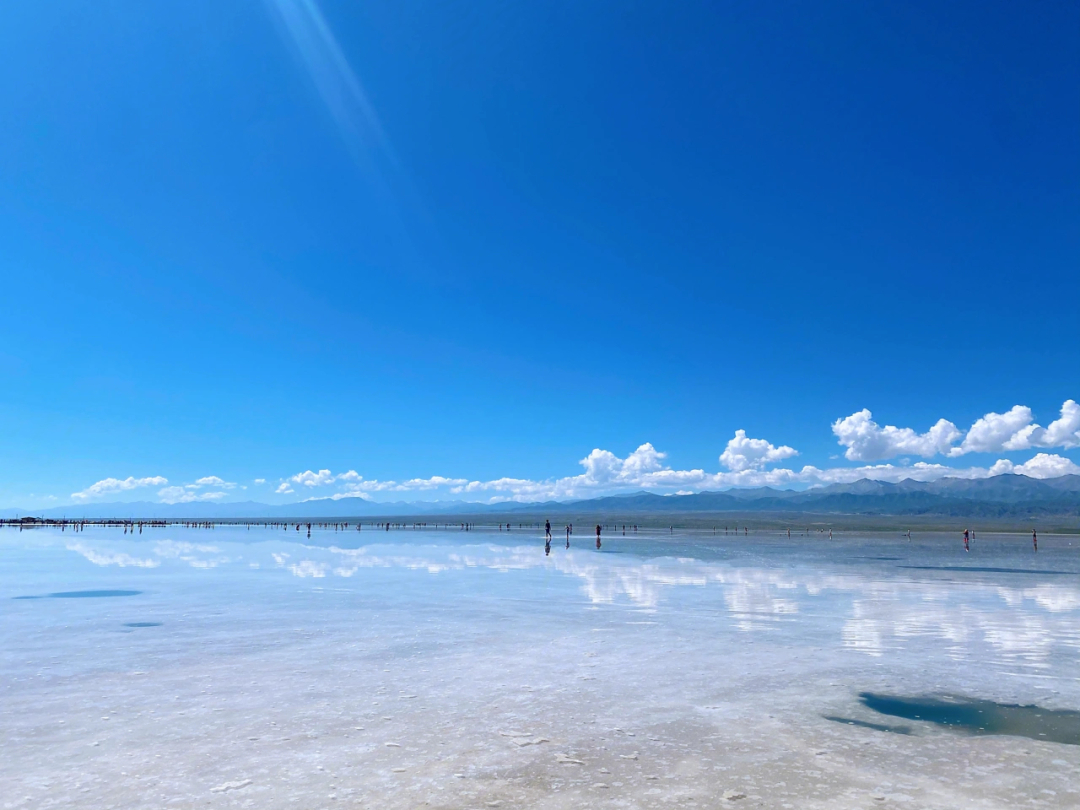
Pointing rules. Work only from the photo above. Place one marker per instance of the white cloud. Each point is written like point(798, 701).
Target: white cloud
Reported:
point(186, 495)
point(1016, 430)
point(337, 496)
point(174, 494)
point(605, 473)
point(105, 559)
point(1062, 432)
point(1043, 465)
point(1013, 430)
point(190, 553)
point(1065, 431)
point(994, 432)
point(742, 453)
point(355, 485)
point(312, 479)
point(260, 480)
point(309, 568)
point(175, 548)
point(865, 440)
point(212, 481)
point(110, 486)
point(434, 482)
point(748, 462)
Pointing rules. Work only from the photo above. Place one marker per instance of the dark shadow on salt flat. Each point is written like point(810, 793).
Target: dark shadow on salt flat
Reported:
point(987, 570)
point(81, 595)
point(863, 724)
point(143, 624)
point(982, 716)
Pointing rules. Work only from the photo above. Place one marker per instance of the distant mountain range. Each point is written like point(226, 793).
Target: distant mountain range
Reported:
point(1003, 496)
point(1000, 496)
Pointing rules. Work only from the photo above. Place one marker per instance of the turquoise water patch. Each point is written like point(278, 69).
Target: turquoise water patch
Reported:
point(982, 716)
point(986, 570)
point(81, 595)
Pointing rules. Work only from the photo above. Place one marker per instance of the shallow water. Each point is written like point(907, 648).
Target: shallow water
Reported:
point(81, 595)
point(448, 669)
point(982, 716)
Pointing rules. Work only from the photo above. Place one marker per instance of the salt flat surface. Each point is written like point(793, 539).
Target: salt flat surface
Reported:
point(261, 668)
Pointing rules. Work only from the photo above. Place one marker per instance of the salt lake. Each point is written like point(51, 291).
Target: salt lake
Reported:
point(258, 667)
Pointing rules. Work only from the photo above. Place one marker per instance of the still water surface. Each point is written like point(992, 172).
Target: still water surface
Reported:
point(258, 667)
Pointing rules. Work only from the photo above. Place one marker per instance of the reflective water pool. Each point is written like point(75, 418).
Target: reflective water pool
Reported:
point(255, 667)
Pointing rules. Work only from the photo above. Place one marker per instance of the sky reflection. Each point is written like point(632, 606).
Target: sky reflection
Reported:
point(873, 606)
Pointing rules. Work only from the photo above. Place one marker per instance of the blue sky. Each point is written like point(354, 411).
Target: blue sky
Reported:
point(478, 241)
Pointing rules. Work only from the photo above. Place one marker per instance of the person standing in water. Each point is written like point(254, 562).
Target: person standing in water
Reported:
point(568, 535)
point(966, 546)
point(1034, 540)
point(597, 536)
point(547, 531)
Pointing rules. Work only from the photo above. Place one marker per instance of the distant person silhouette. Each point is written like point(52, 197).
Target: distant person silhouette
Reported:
point(597, 536)
point(967, 547)
point(1034, 540)
point(547, 531)
point(568, 535)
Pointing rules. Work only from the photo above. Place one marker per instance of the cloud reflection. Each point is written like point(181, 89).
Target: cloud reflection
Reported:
point(105, 558)
point(877, 611)
point(1022, 625)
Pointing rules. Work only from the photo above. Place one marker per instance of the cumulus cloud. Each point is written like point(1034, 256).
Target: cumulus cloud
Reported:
point(1042, 466)
point(606, 473)
point(308, 568)
point(212, 481)
point(750, 462)
point(866, 440)
point(995, 432)
point(111, 486)
point(742, 453)
point(168, 494)
point(1062, 432)
point(355, 485)
point(187, 495)
point(1013, 430)
point(313, 479)
point(337, 496)
point(104, 558)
